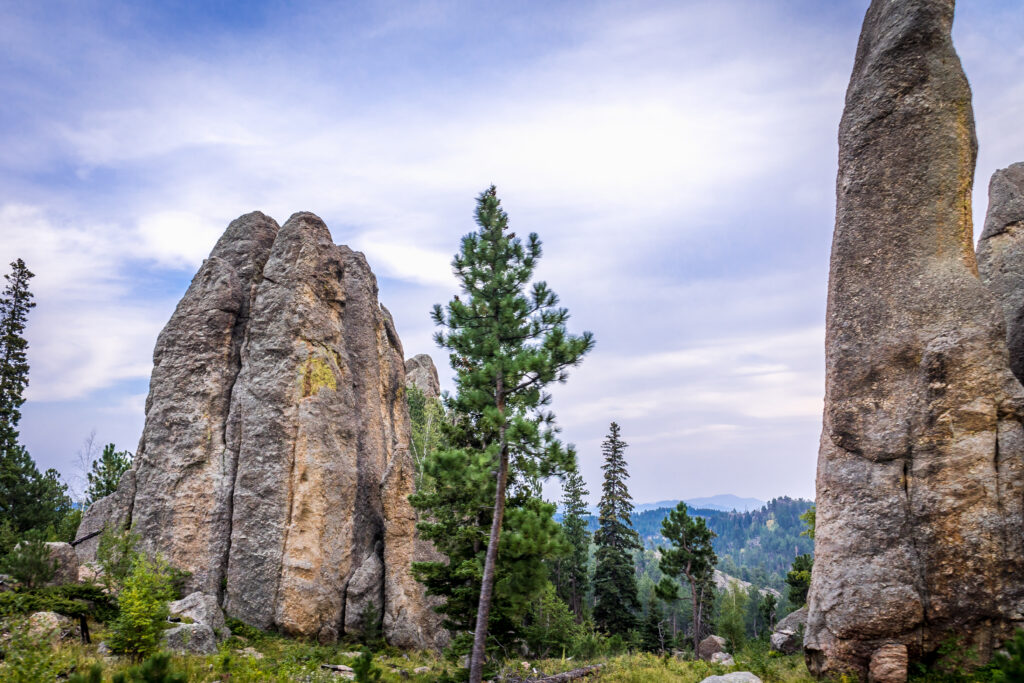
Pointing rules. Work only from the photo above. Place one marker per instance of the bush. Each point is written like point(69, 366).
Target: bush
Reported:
point(1010, 666)
point(116, 553)
point(143, 608)
point(370, 620)
point(71, 600)
point(95, 675)
point(552, 627)
point(29, 562)
point(366, 672)
point(28, 656)
point(156, 669)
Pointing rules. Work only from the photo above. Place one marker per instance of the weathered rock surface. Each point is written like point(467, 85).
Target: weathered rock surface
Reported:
point(788, 635)
point(274, 463)
point(919, 471)
point(53, 627)
point(1001, 255)
point(888, 664)
point(65, 563)
point(114, 510)
point(723, 658)
point(734, 677)
point(201, 608)
point(710, 646)
point(196, 639)
point(723, 581)
point(421, 372)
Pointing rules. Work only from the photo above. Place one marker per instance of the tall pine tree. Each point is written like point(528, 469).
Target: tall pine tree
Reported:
point(106, 473)
point(506, 346)
point(573, 577)
point(617, 603)
point(690, 557)
point(28, 499)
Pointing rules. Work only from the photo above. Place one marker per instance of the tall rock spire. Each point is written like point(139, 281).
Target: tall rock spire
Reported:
point(274, 464)
point(919, 485)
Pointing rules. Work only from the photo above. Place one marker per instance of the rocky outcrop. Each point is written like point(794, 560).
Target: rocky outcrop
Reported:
point(201, 608)
point(724, 581)
point(919, 493)
point(114, 511)
point(1001, 255)
point(65, 564)
point(710, 646)
point(788, 635)
point(274, 462)
point(421, 372)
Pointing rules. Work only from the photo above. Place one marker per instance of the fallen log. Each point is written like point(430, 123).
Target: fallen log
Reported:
point(559, 678)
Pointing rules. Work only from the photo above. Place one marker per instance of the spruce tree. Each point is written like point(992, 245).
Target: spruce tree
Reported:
point(106, 473)
point(28, 499)
point(573, 575)
point(507, 345)
point(14, 308)
point(615, 591)
point(692, 558)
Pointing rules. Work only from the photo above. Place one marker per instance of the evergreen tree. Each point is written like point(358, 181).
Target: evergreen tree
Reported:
point(667, 590)
point(28, 499)
point(766, 610)
point(615, 590)
point(506, 346)
point(652, 635)
point(690, 557)
point(732, 612)
point(106, 473)
point(799, 580)
point(573, 578)
point(14, 308)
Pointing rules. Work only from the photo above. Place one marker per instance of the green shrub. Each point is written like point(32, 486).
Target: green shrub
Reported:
point(156, 669)
point(116, 553)
point(366, 672)
point(29, 562)
point(1010, 666)
point(94, 675)
point(370, 621)
point(552, 627)
point(28, 655)
point(143, 608)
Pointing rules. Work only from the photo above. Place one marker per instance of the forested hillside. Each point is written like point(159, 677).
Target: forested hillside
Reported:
point(757, 546)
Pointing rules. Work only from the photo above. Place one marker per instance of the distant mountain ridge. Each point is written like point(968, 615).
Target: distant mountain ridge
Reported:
point(724, 502)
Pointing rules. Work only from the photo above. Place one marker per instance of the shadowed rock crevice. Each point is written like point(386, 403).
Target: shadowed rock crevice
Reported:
point(276, 411)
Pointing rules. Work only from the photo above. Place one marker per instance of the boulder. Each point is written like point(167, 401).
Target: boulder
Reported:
point(201, 608)
point(66, 564)
point(710, 646)
point(888, 664)
point(274, 463)
point(194, 639)
point(788, 635)
point(53, 626)
point(1001, 255)
point(922, 439)
point(723, 658)
point(734, 677)
point(421, 372)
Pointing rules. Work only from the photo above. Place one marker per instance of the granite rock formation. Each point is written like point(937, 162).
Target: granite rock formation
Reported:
point(274, 462)
point(919, 485)
point(1001, 255)
point(421, 372)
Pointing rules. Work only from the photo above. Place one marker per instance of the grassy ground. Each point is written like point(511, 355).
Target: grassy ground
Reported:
point(267, 657)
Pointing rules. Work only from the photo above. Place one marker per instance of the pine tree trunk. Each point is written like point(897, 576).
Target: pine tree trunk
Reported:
point(476, 661)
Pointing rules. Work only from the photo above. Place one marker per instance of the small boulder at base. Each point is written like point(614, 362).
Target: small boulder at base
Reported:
point(202, 608)
point(53, 626)
point(66, 563)
point(723, 658)
point(889, 664)
point(734, 677)
point(196, 639)
point(710, 646)
point(788, 636)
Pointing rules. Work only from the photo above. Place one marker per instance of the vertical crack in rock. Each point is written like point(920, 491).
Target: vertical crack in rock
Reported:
point(276, 412)
point(918, 534)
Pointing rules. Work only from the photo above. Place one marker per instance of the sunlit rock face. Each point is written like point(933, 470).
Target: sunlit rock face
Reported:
point(274, 461)
point(919, 522)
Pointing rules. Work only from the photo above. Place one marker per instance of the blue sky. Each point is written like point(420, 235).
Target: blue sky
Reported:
point(677, 160)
